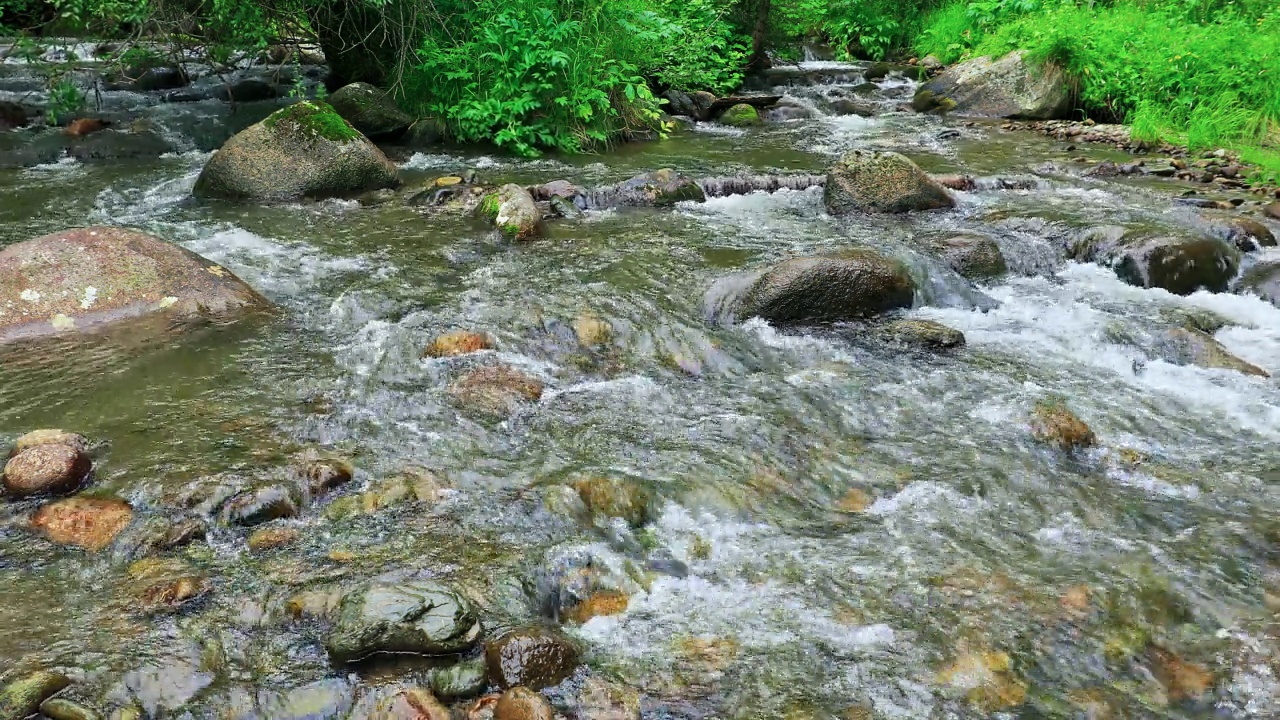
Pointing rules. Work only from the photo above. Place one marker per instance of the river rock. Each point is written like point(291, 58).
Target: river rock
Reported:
point(923, 334)
point(521, 703)
point(1011, 87)
point(495, 390)
point(852, 284)
point(870, 181)
point(513, 210)
point(741, 115)
point(247, 90)
point(410, 704)
point(12, 115)
point(603, 700)
point(21, 698)
point(534, 657)
point(325, 474)
point(331, 698)
point(660, 188)
point(51, 469)
point(50, 436)
point(1053, 423)
point(972, 256)
point(370, 110)
point(1262, 280)
point(460, 342)
point(1179, 264)
point(260, 505)
point(464, 679)
point(84, 278)
point(614, 497)
point(86, 522)
point(421, 617)
point(1247, 234)
point(696, 105)
point(1182, 346)
point(65, 709)
point(272, 537)
point(304, 150)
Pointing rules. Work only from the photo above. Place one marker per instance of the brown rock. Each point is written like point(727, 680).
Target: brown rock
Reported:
point(173, 595)
point(84, 126)
point(269, 538)
point(1183, 680)
point(955, 182)
point(521, 703)
point(90, 523)
point(600, 604)
point(461, 342)
point(46, 469)
point(603, 700)
point(324, 474)
point(495, 390)
point(412, 704)
point(1272, 210)
point(533, 657)
point(613, 497)
point(50, 437)
point(483, 708)
point(78, 279)
point(1052, 422)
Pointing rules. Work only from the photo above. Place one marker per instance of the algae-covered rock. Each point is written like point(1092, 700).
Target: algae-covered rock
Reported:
point(420, 617)
point(534, 657)
point(21, 698)
point(80, 279)
point(616, 497)
point(514, 212)
point(66, 709)
point(856, 283)
point(304, 150)
point(923, 334)
point(1053, 423)
point(463, 679)
point(881, 182)
point(370, 110)
point(740, 115)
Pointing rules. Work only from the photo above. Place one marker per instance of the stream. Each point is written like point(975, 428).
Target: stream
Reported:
point(839, 528)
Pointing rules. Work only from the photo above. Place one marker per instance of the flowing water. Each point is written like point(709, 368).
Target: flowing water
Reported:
point(842, 529)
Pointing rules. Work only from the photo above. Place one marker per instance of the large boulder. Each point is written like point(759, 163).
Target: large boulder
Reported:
point(78, 279)
point(304, 150)
point(869, 181)
point(1262, 280)
point(740, 115)
point(370, 110)
point(1011, 87)
point(856, 283)
point(1179, 264)
point(420, 617)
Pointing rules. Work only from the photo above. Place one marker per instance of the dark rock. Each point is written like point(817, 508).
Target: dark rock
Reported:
point(325, 474)
point(867, 181)
point(424, 133)
point(21, 698)
point(1010, 87)
point(660, 188)
point(882, 70)
point(116, 145)
point(521, 703)
point(533, 657)
point(565, 208)
point(80, 279)
point(1262, 280)
point(1180, 265)
point(415, 616)
point(370, 110)
point(844, 106)
point(556, 188)
point(248, 90)
point(972, 256)
point(1272, 210)
point(304, 150)
point(152, 79)
point(922, 334)
point(12, 115)
point(1246, 234)
point(464, 679)
point(46, 470)
point(855, 283)
point(254, 507)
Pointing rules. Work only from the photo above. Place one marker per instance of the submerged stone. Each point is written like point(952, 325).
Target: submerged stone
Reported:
point(533, 657)
point(466, 678)
point(79, 279)
point(881, 182)
point(90, 523)
point(495, 391)
point(304, 150)
point(1053, 423)
point(259, 505)
point(1262, 280)
point(1183, 346)
point(924, 334)
point(604, 700)
point(614, 497)
point(521, 703)
point(422, 617)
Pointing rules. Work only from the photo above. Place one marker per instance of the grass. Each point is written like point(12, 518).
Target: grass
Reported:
point(1201, 76)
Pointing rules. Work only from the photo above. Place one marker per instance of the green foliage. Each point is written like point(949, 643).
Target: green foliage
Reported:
point(1200, 71)
point(855, 28)
point(64, 99)
point(701, 47)
point(563, 74)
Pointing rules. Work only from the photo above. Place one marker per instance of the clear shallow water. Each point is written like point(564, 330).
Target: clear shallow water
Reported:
point(858, 529)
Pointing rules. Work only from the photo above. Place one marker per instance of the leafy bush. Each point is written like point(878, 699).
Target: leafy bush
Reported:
point(855, 28)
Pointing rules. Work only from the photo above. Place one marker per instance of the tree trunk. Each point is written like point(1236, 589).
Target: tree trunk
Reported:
point(760, 37)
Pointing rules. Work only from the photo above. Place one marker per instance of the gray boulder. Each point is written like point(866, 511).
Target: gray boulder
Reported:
point(885, 182)
point(421, 617)
point(304, 150)
point(853, 284)
point(514, 212)
point(370, 110)
point(972, 256)
point(88, 277)
point(1262, 280)
point(1182, 346)
point(1179, 264)
point(1010, 87)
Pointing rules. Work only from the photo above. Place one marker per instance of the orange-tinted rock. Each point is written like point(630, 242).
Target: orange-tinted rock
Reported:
point(495, 390)
point(90, 523)
point(1053, 423)
point(521, 703)
point(1183, 680)
point(461, 342)
point(600, 604)
point(412, 704)
point(84, 126)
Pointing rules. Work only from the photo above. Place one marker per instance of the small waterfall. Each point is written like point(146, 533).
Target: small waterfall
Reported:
point(744, 184)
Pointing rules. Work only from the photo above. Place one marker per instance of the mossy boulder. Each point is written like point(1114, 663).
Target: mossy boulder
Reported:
point(741, 115)
point(421, 617)
point(370, 110)
point(1178, 263)
point(303, 151)
point(881, 182)
point(1053, 423)
point(1010, 87)
point(81, 279)
point(21, 698)
point(921, 334)
point(976, 257)
point(616, 498)
point(856, 283)
point(513, 210)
